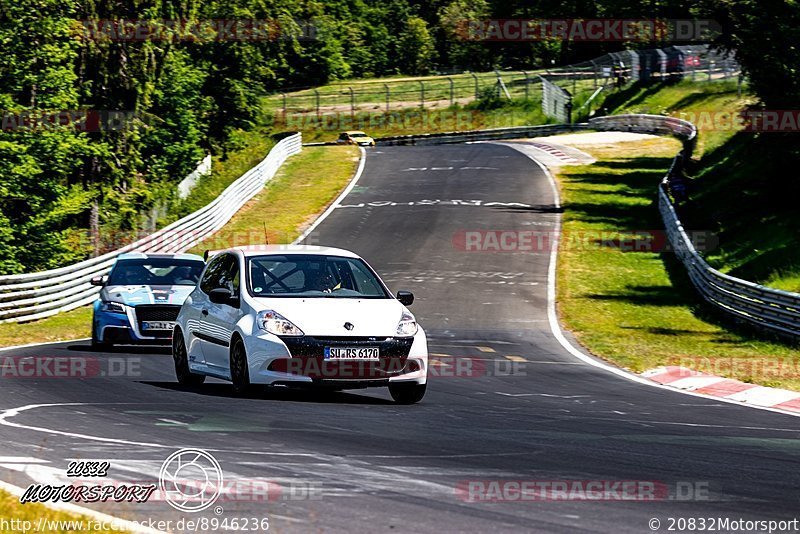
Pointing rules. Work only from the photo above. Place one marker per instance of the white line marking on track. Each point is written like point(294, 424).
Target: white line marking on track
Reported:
point(13, 412)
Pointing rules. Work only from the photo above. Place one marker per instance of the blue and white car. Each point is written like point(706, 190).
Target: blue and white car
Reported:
point(141, 298)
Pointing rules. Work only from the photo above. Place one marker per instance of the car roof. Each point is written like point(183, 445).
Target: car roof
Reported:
point(149, 256)
point(351, 132)
point(264, 250)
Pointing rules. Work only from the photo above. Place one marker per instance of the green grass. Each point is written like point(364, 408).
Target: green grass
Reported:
point(73, 324)
point(11, 509)
point(303, 188)
point(638, 309)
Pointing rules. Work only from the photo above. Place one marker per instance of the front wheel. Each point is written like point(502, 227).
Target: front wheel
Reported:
point(407, 393)
point(99, 346)
point(186, 378)
point(240, 374)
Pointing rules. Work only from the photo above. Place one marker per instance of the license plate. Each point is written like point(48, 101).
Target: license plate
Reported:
point(352, 353)
point(158, 325)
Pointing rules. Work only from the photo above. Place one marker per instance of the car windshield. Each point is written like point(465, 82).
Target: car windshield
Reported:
point(156, 272)
point(312, 275)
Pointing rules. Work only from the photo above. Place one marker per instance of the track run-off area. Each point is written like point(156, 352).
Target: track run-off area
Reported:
point(508, 405)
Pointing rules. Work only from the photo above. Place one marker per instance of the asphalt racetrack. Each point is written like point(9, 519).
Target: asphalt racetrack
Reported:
point(506, 403)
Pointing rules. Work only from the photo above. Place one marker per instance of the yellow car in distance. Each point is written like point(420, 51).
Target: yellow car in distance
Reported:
point(355, 137)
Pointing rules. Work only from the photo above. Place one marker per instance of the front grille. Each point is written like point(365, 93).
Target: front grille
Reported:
point(156, 312)
point(308, 357)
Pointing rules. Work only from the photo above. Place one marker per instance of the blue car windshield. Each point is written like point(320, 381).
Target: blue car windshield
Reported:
point(156, 272)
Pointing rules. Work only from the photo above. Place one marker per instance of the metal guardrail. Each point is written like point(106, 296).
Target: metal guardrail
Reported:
point(771, 309)
point(27, 297)
point(514, 132)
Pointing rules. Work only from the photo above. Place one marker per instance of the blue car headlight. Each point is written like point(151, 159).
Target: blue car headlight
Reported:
point(113, 307)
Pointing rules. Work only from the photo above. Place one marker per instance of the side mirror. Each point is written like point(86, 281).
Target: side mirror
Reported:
point(406, 298)
point(221, 295)
point(98, 280)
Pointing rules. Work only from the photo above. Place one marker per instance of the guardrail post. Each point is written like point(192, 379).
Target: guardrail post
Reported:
point(475, 77)
point(352, 102)
point(386, 86)
point(421, 94)
point(527, 83)
point(316, 101)
point(452, 93)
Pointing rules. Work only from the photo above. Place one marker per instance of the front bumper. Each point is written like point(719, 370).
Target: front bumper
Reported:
point(125, 328)
point(301, 361)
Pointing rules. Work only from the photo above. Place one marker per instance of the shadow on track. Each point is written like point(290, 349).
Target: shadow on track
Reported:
point(124, 349)
point(306, 395)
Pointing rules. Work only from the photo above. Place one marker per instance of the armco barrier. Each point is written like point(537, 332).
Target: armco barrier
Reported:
point(771, 309)
point(515, 132)
point(27, 297)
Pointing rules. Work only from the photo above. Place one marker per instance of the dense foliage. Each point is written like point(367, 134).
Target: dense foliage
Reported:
point(183, 94)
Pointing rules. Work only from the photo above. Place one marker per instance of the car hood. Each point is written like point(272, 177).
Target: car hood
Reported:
point(327, 316)
point(139, 294)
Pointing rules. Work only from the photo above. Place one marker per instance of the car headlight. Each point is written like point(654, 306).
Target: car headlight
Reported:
point(275, 323)
point(113, 307)
point(407, 326)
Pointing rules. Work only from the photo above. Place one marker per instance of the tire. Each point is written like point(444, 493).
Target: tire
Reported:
point(185, 377)
point(407, 393)
point(240, 374)
point(99, 346)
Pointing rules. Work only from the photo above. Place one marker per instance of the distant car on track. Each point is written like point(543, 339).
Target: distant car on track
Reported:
point(299, 316)
point(355, 138)
point(141, 298)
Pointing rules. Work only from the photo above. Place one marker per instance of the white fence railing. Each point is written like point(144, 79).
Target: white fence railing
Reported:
point(772, 309)
point(27, 297)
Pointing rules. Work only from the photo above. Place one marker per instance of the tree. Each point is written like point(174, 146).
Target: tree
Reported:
point(417, 47)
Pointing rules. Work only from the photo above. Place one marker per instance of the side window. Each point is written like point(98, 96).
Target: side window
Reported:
point(213, 274)
point(229, 276)
point(343, 137)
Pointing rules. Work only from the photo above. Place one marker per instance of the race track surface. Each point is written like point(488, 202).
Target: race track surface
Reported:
point(507, 402)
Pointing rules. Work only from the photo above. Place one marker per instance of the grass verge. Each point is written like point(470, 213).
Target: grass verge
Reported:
point(73, 324)
point(638, 309)
point(52, 521)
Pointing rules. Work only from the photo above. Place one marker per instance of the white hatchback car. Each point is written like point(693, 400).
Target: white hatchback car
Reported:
point(289, 315)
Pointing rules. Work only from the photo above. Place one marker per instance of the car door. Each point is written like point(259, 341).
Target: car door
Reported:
point(221, 319)
point(198, 324)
